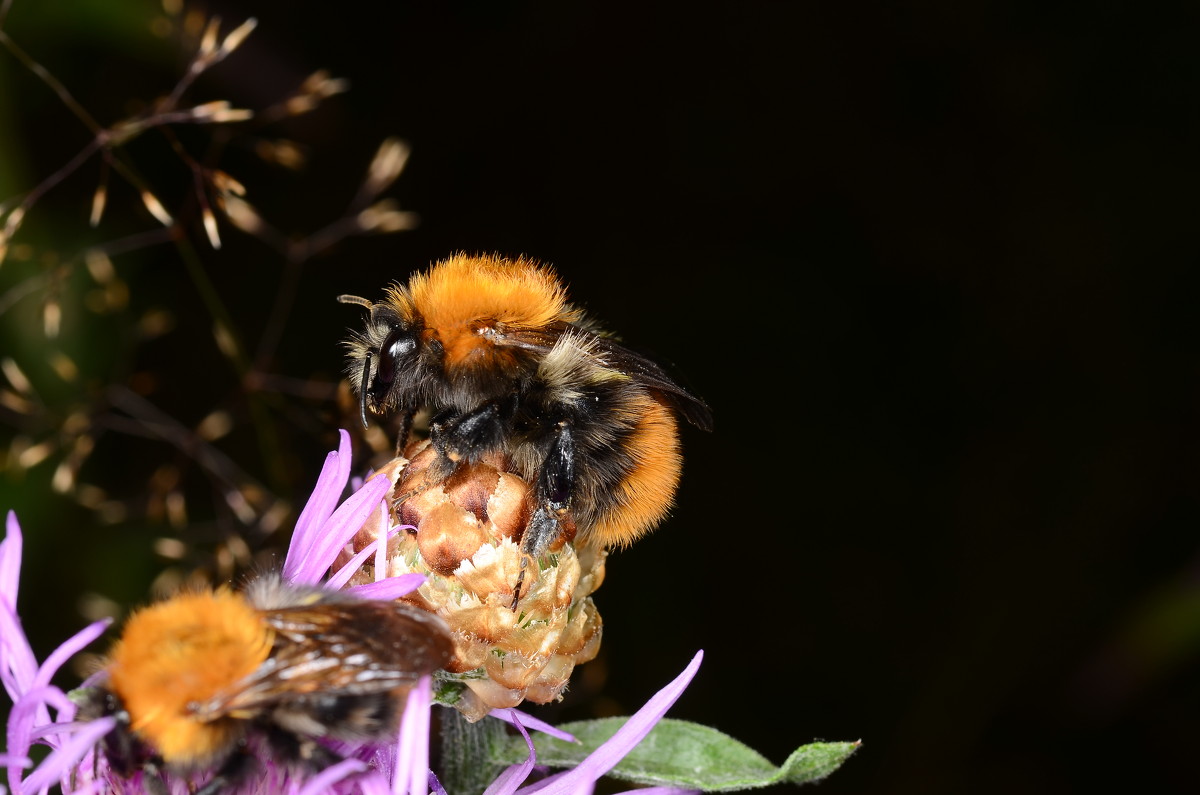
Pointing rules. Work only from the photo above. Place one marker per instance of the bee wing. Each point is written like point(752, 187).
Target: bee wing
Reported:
point(651, 374)
point(616, 356)
point(337, 648)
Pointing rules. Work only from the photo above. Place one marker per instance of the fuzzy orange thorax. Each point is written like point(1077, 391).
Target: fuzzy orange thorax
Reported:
point(180, 652)
point(462, 289)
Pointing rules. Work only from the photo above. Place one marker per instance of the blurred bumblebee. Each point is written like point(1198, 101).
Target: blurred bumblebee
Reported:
point(491, 348)
point(199, 681)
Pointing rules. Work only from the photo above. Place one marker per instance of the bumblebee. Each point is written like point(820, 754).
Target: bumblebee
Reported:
point(200, 681)
point(491, 348)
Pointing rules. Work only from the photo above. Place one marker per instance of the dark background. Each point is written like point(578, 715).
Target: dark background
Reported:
point(934, 266)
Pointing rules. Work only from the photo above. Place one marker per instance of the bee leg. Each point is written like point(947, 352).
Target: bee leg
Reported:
point(238, 768)
point(555, 486)
point(404, 425)
point(520, 584)
point(550, 520)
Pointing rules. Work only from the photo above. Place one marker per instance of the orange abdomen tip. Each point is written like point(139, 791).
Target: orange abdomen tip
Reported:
point(643, 498)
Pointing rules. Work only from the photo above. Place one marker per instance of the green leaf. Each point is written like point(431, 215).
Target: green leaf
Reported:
point(679, 753)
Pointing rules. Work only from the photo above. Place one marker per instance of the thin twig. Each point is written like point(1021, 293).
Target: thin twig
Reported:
point(55, 85)
point(146, 419)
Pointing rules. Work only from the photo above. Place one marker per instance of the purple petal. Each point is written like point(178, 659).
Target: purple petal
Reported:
point(381, 553)
point(510, 779)
point(373, 783)
point(63, 759)
point(64, 652)
point(30, 708)
point(60, 727)
point(531, 722)
point(19, 666)
point(331, 775)
point(549, 782)
point(93, 679)
point(435, 786)
point(604, 758)
point(514, 775)
point(10, 561)
point(330, 485)
point(351, 567)
point(53, 697)
point(347, 520)
point(542, 784)
point(89, 788)
point(380, 758)
point(412, 748)
point(389, 588)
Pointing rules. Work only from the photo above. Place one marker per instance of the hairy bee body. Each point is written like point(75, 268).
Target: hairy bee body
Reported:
point(196, 680)
point(505, 364)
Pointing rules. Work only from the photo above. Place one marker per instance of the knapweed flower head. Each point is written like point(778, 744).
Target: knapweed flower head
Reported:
point(519, 626)
point(43, 715)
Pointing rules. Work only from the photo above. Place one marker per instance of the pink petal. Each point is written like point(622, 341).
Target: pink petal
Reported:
point(373, 783)
point(73, 644)
point(63, 759)
point(605, 758)
point(514, 775)
point(412, 749)
point(26, 710)
point(90, 788)
point(353, 565)
point(347, 520)
point(390, 588)
point(330, 485)
point(18, 665)
point(321, 782)
point(530, 722)
point(10, 561)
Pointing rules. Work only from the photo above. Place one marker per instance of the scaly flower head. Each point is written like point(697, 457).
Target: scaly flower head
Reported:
point(519, 626)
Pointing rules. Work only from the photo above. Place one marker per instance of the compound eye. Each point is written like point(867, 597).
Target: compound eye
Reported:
point(398, 346)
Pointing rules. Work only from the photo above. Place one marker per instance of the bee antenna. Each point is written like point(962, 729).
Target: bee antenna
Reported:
point(354, 299)
point(362, 389)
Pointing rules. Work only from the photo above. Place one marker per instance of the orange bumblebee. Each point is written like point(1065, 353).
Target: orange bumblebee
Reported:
point(504, 363)
point(195, 678)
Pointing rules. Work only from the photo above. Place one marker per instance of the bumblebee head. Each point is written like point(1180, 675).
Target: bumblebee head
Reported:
point(395, 355)
point(386, 348)
point(466, 330)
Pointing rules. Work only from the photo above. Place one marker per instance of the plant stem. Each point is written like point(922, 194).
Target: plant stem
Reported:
point(467, 753)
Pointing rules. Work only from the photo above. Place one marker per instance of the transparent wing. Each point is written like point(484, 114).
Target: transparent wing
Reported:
point(335, 649)
point(616, 356)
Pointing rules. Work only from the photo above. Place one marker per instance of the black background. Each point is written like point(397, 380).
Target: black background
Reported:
point(934, 266)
